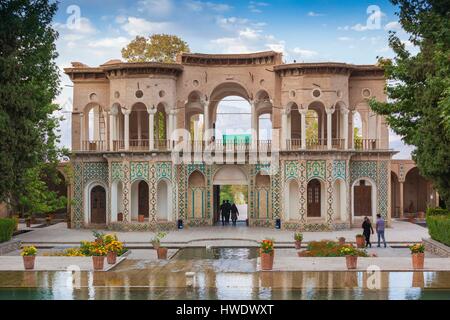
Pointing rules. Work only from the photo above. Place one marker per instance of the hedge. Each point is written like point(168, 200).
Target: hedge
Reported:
point(6, 229)
point(439, 228)
point(438, 212)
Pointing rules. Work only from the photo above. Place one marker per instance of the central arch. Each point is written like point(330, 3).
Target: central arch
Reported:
point(230, 175)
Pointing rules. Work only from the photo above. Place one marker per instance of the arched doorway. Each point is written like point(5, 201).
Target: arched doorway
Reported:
point(163, 203)
point(395, 196)
point(340, 200)
point(98, 205)
point(139, 127)
point(314, 196)
point(292, 200)
point(263, 207)
point(196, 196)
point(416, 192)
point(231, 183)
point(364, 198)
point(139, 199)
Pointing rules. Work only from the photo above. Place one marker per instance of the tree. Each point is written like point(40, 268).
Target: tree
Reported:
point(157, 48)
point(419, 88)
point(29, 82)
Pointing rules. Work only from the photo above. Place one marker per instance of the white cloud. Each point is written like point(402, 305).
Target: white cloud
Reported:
point(155, 7)
point(81, 27)
point(109, 43)
point(345, 39)
point(344, 28)
point(231, 22)
point(393, 25)
point(304, 53)
point(137, 26)
point(198, 6)
point(315, 14)
point(256, 7)
point(250, 34)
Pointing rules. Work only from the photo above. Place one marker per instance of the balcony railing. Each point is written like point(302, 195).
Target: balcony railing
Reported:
point(227, 146)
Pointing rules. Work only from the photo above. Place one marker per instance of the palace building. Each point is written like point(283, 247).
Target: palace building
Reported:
point(146, 152)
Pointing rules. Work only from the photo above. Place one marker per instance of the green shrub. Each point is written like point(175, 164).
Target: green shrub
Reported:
point(439, 228)
point(6, 229)
point(438, 212)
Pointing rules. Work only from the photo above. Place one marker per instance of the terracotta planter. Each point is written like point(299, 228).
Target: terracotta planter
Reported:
point(418, 260)
point(351, 261)
point(28, 223)
point(111, 258)
point(28, 262)
point(267, 260)
point(341, 240)
point(360, 242)
point(298, 244)
point(162, 253)
point(141, 218)
point(99, 262)
point(120, 217)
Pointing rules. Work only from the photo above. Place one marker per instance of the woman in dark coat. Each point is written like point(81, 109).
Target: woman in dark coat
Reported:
point(367, 229)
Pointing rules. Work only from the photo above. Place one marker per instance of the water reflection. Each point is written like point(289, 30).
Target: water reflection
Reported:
point(168, 281)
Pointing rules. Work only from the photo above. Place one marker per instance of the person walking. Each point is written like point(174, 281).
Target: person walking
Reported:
point(227, 212)
point(234, 213)
point(380, 226)
point(222, 210)
point(367, 230)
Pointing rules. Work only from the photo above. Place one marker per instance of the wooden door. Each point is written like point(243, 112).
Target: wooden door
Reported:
point(143, 199)
point(98, 205)
point(362, 200)
point(313, 209)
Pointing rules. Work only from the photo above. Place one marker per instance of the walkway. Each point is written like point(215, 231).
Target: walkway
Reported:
point(58, 234)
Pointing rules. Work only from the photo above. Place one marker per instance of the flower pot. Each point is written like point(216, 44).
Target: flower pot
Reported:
point(418, 260)
point(298, 244)
point(267, 260)
point(341, 241)
point(111, 258)
point(141, 218)
point(28, 262)
point(120, 216)
point(360, 242)
point(162, 253)
point(98, 262)
point(351, 261)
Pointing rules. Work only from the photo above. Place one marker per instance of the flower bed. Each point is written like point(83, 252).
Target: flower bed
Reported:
point(327, 248)
point(7, 227)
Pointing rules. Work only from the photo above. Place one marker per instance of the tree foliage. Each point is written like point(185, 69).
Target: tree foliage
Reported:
point(419, 89)
point(29, 82)
point(157, 48)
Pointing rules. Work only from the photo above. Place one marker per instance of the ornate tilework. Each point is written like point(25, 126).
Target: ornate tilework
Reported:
point(126, 191)
point(290, 170)
point(139, 171)
point(77, 207)
point(339, 170)
point(363, 169)
point(276, 195)
point(117, 171)
point(152, 185)
point(383, 187)
point(329, 184)
point(164, 170)
point(302, 187)
point(315, 169)
point(95, 171)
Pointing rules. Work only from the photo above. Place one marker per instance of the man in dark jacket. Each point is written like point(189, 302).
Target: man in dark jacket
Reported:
point(234, 213)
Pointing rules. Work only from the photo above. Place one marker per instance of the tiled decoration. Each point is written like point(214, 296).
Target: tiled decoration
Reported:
point(363, 169)
point(139, 171)
point(339, 169)
point(85, 173)
point(383, 187)
point(329, 186)
point(290, 170)
point(152, 187)
point(164, 170)
point(315, 169)
point(276, 195)
point(303, 184)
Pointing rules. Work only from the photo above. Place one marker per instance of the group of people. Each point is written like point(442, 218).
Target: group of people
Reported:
point(228, 209)
point(368, 230)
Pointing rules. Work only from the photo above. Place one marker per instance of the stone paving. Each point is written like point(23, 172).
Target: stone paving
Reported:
point(401, 232)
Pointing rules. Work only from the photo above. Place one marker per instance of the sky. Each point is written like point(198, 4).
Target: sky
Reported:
point(94, 31)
